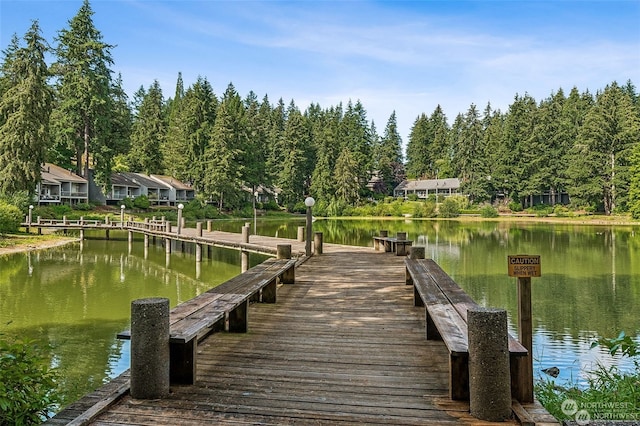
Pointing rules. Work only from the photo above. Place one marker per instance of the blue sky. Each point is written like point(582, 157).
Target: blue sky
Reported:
point(407, 56)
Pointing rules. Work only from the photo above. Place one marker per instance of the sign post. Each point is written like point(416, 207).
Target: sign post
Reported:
point(524, 267)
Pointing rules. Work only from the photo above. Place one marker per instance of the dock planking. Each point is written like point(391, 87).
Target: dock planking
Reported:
point(344, 345)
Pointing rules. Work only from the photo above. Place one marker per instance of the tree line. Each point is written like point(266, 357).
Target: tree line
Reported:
point(75, 113)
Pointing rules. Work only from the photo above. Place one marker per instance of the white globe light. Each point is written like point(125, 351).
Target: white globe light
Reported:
point(181, 206)
point(122, 207)
point(309, 202)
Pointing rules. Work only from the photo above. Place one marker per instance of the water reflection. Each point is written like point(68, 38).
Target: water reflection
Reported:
point(74, 299)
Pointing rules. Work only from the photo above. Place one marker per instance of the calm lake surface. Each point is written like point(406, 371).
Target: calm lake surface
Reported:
point(74, 299)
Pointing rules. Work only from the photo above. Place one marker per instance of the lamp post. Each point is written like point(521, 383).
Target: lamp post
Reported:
point(122, 207)
point(255, 214)
point(180, 207)
point(309, 202)
point(30, 216)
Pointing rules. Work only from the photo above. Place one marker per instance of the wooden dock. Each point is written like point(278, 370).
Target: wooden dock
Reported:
point(343, 345)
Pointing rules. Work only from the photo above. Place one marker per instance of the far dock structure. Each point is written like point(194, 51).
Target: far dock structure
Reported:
point(344, 343)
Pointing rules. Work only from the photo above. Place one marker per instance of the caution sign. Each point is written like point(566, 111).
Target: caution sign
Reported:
point(523, 265)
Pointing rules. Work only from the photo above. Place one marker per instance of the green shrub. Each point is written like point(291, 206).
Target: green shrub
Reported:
point(141, 202)
point(20, 199)
point(10, 218)
point(515, 206)
point(561, 211)
point(426, 209)
point(83, 207)
point(449, 208)
point(412, 197)
point(27, 384)
point(127, 203)
point(488, 211)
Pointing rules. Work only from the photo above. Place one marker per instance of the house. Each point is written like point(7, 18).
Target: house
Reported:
point(61, 186)
point(160, 189)
point(122, 187)
point(423, 188)
point(262, 194)
point(179, 191)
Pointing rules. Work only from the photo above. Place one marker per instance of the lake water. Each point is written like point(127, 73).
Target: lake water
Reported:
point(75, 298)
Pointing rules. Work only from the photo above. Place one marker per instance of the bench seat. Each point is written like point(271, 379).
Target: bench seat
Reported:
point(393, 245)
point(224, 307)
point(446, 306)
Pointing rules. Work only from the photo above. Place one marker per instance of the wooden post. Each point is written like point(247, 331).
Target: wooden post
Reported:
point(300, 234)
point(244, 258)
point(525, 333)
point(317, 242)
point(198, 252)
point(245, 234)
point(284, 252)
point(167, 245)
point(199, 229)
point(208, 226)
point(81, 234)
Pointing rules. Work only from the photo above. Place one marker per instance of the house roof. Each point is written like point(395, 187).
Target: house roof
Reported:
point(52, 174)
point(144, 180)
point(121, 179)
point(171, 181)
point(428, 184)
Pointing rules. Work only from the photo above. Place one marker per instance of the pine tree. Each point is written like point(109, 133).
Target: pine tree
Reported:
point(148, 133)
point(601, 161)
point(294, 178)
point(224, 171)
point(389, 156)
point(84, 87)
point(190, 131)
point(470, 158)
point(346, 178)
point(25, 106)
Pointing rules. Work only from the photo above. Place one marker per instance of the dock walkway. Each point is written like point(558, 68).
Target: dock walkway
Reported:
point(343, 345)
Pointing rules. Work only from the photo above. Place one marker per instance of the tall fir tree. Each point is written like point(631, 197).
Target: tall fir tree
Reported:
point(83, 88)
point(601, 162)
point(25, 106)
point(294, 176)
point(148, 133)
point(224, 171)
point(389, 156)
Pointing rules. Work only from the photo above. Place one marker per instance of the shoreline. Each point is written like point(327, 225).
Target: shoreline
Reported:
point(55, 241)
point(30, 245)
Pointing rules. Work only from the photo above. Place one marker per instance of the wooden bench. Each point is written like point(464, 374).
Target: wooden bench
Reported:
point(400, 247)
point(446, 306)
point(224, 307)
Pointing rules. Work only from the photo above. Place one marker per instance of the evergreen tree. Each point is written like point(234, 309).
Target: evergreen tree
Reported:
point(148, 133)
point(356, 137)
point(224, 171)
point(255, 150)
point(325, 128)
point(294, 178)
point(389, 156)
point(25, 106)
point(175, 138)
point(190, 131)
point(518, 126)
point(470, 159)
point(84, 89)
point(418, 148)
point(601, 160)
point(346, 178)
